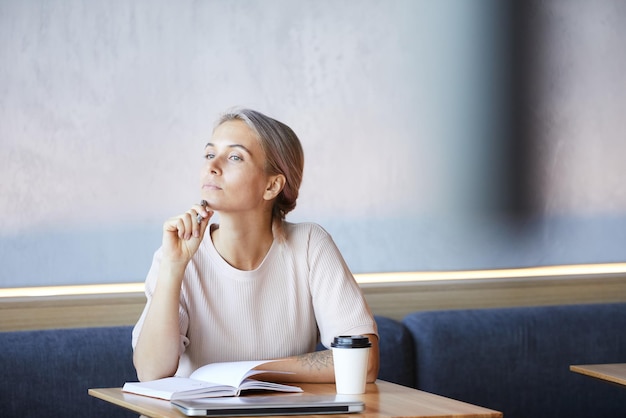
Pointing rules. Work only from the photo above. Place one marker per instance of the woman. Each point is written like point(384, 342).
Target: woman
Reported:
point(253, 287)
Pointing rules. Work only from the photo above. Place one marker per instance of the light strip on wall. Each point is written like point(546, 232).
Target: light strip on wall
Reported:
point(89, 289)
point(367, 278)
point(529, 272)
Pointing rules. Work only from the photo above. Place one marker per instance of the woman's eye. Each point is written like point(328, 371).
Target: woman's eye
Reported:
point(233, 157)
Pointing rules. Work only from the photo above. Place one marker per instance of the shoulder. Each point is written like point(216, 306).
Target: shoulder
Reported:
point(309, 238)
point(307, 231)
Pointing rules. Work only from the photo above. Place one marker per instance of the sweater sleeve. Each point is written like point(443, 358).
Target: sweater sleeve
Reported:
point(340, 307)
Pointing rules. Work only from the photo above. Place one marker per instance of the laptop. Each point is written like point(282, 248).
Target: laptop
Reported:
point(297, 404)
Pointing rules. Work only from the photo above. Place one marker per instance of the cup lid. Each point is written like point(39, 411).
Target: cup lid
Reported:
point(351, 341)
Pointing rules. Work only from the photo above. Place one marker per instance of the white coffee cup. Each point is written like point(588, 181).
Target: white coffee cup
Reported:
point(350, 356)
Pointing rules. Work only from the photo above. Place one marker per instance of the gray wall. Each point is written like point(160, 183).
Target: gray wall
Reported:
point(402, 108)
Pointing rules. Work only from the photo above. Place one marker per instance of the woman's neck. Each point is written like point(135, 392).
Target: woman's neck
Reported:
point(242, 244)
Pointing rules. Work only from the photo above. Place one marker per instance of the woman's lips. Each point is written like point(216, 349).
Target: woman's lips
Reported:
point(210, 186)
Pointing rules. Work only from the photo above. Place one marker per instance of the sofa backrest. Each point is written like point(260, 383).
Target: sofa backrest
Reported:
point(516, 360)
point(47, 373)
point(397, 355)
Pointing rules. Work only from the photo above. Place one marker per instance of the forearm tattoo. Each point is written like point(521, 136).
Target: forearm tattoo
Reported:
point(317, 360)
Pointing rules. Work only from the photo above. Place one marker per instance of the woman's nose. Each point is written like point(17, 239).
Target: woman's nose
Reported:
point(212, 166)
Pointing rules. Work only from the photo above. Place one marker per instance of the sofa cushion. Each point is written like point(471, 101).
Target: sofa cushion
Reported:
point(397, 358)
point(516, 360)
point(48, 372)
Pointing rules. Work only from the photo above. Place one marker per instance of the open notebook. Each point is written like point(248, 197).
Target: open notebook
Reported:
point(292, 404)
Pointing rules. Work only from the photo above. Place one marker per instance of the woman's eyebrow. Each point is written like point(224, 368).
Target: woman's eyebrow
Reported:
point(210, 144)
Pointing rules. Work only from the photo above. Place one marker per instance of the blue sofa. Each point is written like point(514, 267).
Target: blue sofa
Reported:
point(514, 360)
point(48, 372)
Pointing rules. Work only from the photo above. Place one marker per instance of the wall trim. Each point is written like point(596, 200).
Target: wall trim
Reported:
point(390, 294)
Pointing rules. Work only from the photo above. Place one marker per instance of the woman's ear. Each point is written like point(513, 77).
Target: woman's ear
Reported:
point(274, 186)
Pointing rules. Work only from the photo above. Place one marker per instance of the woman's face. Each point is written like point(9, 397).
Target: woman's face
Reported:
point(233, 177)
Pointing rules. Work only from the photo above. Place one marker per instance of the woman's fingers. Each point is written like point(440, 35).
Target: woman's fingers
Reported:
point(188, 220)
point(181, 226)
point(183, 233)
point(202, 211)
point(193, 223)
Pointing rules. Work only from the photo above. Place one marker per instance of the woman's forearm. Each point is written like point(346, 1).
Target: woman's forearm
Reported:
point(316, 367)
point(157, 351)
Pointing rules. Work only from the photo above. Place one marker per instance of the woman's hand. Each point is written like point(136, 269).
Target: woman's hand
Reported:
point(183, 234)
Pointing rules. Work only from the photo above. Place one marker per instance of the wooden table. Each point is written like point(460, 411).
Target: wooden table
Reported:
point(614, 373)
point(382, 399)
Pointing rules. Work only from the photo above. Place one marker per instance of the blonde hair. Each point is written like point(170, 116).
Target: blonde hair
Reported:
point(283, 153)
